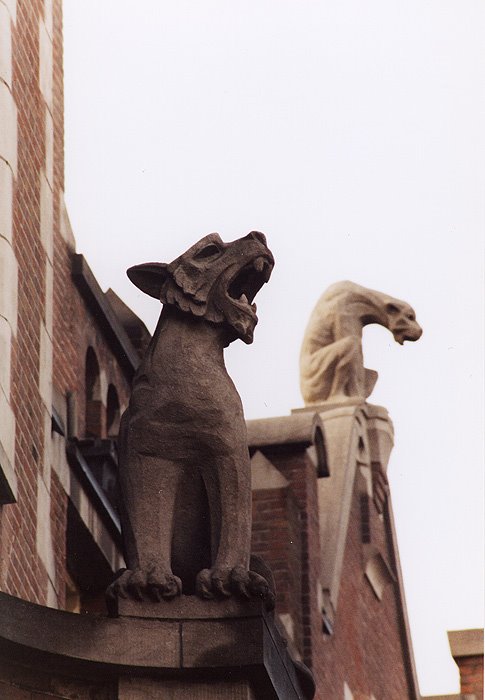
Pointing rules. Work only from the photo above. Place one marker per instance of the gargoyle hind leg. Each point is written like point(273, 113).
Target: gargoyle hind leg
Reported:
point(149, 488)
point(229, 496)
point(348, 379)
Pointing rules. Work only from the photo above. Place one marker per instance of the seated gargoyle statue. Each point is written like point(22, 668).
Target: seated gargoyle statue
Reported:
point(184, 470)
point(331, 360)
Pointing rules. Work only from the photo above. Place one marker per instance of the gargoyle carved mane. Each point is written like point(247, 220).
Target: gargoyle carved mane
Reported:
point(213, 280)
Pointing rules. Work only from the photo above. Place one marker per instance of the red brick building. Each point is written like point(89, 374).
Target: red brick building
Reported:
point(323, 520)
point(68, 351)
point(467, 650)
point(66, 362)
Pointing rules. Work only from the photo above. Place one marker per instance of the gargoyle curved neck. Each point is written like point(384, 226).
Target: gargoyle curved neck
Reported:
point(369, 310)
point(184, 329)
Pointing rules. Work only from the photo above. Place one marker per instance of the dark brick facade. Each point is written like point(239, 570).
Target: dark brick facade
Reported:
point(55, 325)
point(365, 648)
point(471, 675)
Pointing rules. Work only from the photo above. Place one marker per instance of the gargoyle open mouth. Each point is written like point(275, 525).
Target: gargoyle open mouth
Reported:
point(402, 334)
point(248, 281)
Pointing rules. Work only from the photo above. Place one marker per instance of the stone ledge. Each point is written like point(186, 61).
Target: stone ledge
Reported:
point(211, 639)
point(187, 607)
point(283, 430)
point(466, 642)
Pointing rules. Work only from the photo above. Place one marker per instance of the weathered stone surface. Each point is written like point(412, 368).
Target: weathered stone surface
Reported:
point(188, 608)
point(230, 642)
point(358, 441)
point(264, 474)
point(284, 430)
point(466, 642)
point(184, 465)
point(147, 689)
point(71, 640)
point(238, 649)
point(331, 362)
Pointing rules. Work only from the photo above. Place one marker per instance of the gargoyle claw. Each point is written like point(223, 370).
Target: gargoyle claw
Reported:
point(163, 585)
point(140, 585)
point(203, 584)
point(220, 583)
point(213, 583)
point(136, 584)
point(249, 584)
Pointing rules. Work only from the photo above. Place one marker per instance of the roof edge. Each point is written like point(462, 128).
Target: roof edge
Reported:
point(100, 307)
point(467, 642)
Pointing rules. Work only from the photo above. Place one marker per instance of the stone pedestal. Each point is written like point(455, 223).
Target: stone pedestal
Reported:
point(178, 650)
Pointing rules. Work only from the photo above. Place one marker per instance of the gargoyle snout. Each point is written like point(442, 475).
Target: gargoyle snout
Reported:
point(407, 331)
point(257, 236)
point(416, 333)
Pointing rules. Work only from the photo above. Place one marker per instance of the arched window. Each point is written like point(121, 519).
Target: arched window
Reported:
point(93, 414)
point(112, 412)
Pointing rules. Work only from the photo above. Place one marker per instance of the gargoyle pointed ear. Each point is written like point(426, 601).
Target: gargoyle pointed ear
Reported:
point(149, 277)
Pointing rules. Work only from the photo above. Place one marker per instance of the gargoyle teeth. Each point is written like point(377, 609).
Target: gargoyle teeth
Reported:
point(259, 264)
point(243, 299)
point(254, 307)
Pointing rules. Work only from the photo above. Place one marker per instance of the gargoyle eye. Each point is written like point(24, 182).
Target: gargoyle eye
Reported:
point(392, 309)
point(411, 317)
point(208, 252)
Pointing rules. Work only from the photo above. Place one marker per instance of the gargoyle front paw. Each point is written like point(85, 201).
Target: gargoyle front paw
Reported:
point(154, 584)
point(162, 585)
point(249, 584)
point(213, 583)
point(129, 584)
point(222, 582)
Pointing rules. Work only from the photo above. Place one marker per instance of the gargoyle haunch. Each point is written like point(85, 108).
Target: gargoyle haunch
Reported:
point(184, 467)
point(331, 361)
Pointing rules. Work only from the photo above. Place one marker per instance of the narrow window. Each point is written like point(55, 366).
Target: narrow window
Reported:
point(93, 424)
point(365, 518)
point(112, 413)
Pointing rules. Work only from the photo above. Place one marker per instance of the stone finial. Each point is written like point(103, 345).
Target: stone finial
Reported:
point(184, 469)
point(331, 361)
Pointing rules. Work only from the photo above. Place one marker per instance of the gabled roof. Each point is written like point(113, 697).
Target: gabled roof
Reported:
point(357, 443)
point(104, 314)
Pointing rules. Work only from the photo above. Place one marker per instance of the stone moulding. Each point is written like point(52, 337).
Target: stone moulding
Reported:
point(301, 428)
point(183, 639)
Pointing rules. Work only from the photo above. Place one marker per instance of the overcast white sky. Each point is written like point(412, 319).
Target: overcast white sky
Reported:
point(352, 134)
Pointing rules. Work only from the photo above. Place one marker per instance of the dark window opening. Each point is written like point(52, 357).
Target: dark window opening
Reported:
point(365, 518)
point(112, 413)
point(94, 414)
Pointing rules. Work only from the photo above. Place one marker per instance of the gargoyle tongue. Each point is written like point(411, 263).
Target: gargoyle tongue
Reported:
point(244, 300)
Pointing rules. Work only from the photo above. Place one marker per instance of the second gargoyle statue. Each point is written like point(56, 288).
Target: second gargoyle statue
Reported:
point(184, 469)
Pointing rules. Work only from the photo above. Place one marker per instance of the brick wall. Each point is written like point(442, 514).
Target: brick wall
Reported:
point(467, 650)
point(47, 327)
point(471, 675)
point(24, 573)
point(365, 651)
point(300, 472)
point(276, 537)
